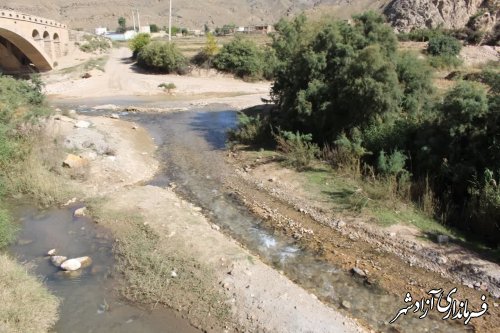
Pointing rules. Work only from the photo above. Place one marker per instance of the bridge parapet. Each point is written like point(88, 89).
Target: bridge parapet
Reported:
point(13, 15)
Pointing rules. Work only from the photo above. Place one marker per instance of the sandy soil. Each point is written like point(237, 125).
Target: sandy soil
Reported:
point(121, 78)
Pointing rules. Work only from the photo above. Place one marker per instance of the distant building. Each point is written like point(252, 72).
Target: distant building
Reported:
point(101, 31)
point(127, 35)
point(145, 29)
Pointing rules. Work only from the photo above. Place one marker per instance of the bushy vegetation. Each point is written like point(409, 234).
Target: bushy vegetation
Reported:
point(26, 305)
point(162, 57)
point(374, 111)
point(245, 59)
point(168, 87)
point(298, 149)
point(94, 43)
point(205, 57)
point(137, 43)
point(444, 51)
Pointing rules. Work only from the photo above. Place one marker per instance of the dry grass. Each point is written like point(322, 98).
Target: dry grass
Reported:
point(26, 305)
point(145, 261)
point(37, 174)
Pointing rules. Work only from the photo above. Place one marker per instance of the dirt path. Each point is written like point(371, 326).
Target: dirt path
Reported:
point(122, 78)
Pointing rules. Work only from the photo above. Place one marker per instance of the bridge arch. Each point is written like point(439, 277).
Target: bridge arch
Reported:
point(34, 52)
point(57, 44)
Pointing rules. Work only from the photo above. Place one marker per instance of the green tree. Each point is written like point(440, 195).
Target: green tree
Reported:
point(444, 45)
point(241, 57)
point(162, 57)
point(154, 28)
point(122, 24)
point(137, 43)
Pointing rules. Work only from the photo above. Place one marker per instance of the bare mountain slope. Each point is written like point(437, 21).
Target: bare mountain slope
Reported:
point(88, 14)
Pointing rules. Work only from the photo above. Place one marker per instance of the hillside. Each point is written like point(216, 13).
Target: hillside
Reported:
point(194, 14)
point(88, 14)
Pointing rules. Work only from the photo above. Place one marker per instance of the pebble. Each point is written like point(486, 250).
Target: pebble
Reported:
point(173, 274)
point(358, 272)
point(80, 212)
point(346, 304)
point(51, 252)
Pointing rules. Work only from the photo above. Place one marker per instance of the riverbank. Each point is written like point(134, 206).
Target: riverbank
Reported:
point(210, 279)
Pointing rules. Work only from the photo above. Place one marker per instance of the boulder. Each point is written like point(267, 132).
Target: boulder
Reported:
point(80, 212)
point(51, 252)
point(74, 162)
point(58, 260)
point(82, 124)
point(84, 261)
point(115, 116)
point(71, 265)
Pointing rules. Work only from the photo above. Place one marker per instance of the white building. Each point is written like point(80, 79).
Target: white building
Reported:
point(101, 31)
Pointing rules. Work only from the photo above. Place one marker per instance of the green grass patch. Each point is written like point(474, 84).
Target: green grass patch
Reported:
point(8, 229)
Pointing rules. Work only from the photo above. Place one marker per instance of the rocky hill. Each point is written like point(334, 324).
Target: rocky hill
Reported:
point(403, 14)
point(451, 14)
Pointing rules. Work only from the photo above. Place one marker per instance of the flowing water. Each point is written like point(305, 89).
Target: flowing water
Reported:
point(89, 300)
point(191, 147)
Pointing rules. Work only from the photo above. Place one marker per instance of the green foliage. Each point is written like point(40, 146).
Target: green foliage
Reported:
point(137, 43)
point(251, 130)
point(167, 86)
point(162, 57)
point(298, 149)
point(241, 57)
point(122, 25)
point(154, 28)
point(205, 57)
point(95, 43)
point(342, 77)
point(443, 45)
point(444, 61)
point(7, 229)
point(424, 35)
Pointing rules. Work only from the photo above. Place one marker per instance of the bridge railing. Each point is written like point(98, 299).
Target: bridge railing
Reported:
point(13, 15)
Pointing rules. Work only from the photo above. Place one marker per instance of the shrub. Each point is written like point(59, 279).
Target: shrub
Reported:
point(205, 57)
point(250, 130)
point(444, 61)
point(94, 43)
point(162, 57)
point(137, 43)
point(443, 45)
point(298, 149)
point(154, 28)
point(167, 86)
point(241, 57)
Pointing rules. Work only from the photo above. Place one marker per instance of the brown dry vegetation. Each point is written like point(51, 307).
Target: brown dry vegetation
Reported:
point(26, 305)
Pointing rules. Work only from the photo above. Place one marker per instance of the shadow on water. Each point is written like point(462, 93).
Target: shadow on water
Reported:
point(191, 148)
point(89, 299)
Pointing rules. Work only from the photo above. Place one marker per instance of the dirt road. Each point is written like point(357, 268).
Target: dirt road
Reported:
point(121, 78)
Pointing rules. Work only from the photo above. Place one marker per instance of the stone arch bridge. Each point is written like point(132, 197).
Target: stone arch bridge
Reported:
point(28, 41)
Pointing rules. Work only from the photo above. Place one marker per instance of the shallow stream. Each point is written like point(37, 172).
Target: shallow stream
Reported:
point(90, 303)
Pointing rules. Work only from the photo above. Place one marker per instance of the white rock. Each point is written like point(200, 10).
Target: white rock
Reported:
point(115, 116)
point(52, 252)
point(71, 265)
point(173, 274)
point(80, 212)
point(82, 124)
point(58, 260)
point(84, 261)
point(215, 227)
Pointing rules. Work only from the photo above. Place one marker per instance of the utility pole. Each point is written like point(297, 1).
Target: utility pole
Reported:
point(138, 20)
point(133, 18)
point(170, 22)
